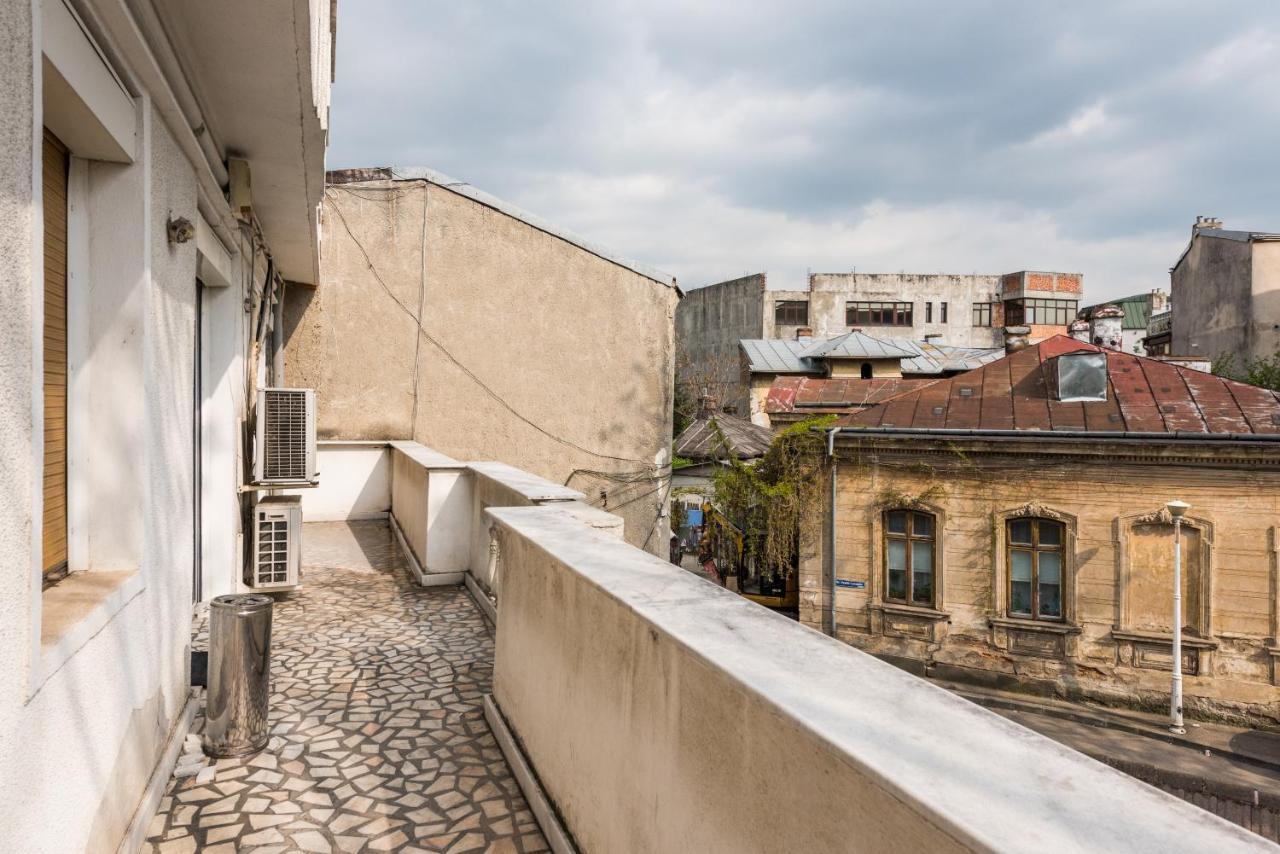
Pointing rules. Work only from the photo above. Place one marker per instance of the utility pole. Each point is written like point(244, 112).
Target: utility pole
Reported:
point(1177, 509)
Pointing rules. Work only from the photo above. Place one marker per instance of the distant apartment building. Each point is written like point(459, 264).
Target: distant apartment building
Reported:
point(1225, 289)
point(958, 310)
point(1138, 310)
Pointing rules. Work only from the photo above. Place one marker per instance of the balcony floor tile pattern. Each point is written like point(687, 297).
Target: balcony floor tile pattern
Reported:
point(378, 737)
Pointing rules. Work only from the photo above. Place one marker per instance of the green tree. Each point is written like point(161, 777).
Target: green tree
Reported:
point(774, 502)
point(1263, 372)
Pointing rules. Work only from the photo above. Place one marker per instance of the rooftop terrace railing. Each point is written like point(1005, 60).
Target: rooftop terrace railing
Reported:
point(661, 712)
point(648, 710)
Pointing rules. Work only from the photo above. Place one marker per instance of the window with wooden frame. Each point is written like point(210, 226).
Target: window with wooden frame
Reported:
point(982, 314)
point(878, 314)
point(910, 557)
point(1039, 312)
point(942, 309)
point(791, 312)
point(928, 312)
point(1035, 556)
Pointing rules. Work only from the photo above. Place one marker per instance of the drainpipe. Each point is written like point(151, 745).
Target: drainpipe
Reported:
point(831, 530)
point(277, 337)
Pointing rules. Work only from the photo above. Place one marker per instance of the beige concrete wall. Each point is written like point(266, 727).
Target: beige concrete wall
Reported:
point(558, 361)
point(1264, 328)
point(1234, 513)
point(663, 713)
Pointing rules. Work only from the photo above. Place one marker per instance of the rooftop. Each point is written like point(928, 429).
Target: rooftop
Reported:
point(1226, 234)
point(854, 345)
point(1143, 396)
point(1136, 308)
point(462, 188)
point(817, 395)
point(804, 355)
point(700, 440)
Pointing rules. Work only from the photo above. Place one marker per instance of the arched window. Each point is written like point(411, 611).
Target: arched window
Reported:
point(1035, 568)
point(866, 370)
point(910, 557)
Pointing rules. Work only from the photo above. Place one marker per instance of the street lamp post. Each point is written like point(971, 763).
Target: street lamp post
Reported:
point(1177, 509)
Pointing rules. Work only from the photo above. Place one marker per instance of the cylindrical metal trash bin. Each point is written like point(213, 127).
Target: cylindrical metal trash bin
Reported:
point(239, 675)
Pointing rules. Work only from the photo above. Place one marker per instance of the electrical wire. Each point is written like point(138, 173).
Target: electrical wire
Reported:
point(439, 346)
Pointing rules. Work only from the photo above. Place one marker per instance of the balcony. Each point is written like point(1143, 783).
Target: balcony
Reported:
point(622, 705)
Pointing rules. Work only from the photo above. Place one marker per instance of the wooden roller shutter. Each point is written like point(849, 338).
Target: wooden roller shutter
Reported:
point(55, 355)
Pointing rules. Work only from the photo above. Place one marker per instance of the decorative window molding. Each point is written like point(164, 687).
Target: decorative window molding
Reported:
point(1122, 536)
point(914, 539)
point(896, 619)
point(877, 572)
point(1033, 509)
point(1000, 561)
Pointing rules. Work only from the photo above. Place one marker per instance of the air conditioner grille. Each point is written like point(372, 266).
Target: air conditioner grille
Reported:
point(285, 435)
point(273, 550)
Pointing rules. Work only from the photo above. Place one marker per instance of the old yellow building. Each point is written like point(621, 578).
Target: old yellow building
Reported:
point(1007, 526)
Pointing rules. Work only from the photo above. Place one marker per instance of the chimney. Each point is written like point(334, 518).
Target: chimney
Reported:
point(804, 332)
point(1203, 222)
point(1106, 325)
point(706, 405)
point(1016, 338)
point(1079, 330)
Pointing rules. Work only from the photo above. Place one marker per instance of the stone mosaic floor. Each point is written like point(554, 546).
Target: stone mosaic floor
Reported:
point(379, 741)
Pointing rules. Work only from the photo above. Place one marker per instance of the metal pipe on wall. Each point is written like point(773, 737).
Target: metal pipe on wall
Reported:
point(831, 529)
point(277, 336)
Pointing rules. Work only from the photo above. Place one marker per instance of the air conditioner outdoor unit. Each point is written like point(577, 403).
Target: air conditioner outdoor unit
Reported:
point(277, 543)
point(286, 436)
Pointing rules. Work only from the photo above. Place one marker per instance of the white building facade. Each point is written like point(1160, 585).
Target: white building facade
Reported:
point(143, 267)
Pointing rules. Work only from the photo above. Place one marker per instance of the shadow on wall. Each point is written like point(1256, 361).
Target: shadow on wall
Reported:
point(297, 300)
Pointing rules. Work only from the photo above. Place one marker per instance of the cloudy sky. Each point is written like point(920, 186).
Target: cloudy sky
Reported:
point(713, 139)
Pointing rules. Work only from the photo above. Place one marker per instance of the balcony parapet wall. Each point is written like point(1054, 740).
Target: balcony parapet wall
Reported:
point(438, 503)
point(661, 712)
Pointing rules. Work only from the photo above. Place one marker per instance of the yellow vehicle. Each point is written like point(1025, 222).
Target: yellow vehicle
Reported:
point(725, 553)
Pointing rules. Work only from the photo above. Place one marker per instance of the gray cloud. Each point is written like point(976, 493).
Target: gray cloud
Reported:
point(721, 137)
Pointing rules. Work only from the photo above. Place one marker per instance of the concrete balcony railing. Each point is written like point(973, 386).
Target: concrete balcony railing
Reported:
point(645, 709)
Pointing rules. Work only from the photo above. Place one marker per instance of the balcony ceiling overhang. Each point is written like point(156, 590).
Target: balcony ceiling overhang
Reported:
point(249, 63)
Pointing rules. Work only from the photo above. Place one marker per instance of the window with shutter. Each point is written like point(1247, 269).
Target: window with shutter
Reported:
point(55, 167)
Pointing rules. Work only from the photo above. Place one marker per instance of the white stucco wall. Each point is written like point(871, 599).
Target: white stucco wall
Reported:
point(84, 721)
point(355, 483)
point(86, 714)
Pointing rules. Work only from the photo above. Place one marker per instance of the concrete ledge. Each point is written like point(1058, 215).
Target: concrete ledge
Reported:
point(136, 835)
point(426, 457)
point(539, 805)
point(74, 610)
point(618, 672)
point(529, 486)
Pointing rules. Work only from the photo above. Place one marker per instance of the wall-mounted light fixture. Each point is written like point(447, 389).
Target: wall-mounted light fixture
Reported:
point(180, 229)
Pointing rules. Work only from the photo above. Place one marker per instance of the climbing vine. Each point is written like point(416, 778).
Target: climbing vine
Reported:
point(776, 502)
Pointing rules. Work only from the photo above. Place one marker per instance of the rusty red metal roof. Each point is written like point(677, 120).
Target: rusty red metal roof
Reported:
point(820, 396)
point(1143, 396)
